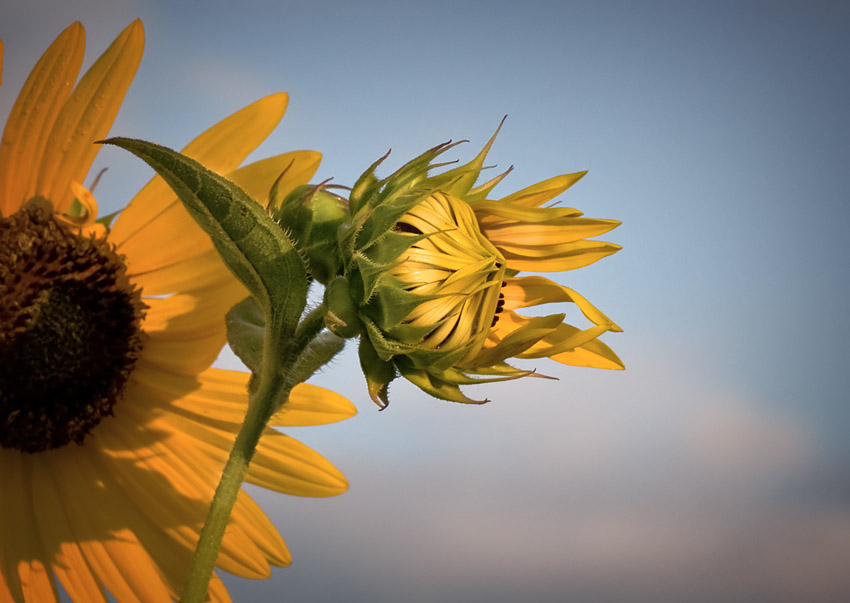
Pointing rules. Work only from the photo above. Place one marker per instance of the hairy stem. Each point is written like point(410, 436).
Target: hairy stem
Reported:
point(263, 403)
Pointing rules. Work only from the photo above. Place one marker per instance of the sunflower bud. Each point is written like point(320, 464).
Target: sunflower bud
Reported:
point(455, 274)
point(429, 278)
point(313, 215)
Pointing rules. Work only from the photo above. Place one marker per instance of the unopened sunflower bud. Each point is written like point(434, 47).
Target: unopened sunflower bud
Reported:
point(431, 271)
point(313, 216)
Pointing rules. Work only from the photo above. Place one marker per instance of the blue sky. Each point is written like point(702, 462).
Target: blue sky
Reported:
point(716, 468)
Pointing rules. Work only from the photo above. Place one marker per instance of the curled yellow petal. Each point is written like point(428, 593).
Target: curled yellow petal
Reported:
point(534, 290)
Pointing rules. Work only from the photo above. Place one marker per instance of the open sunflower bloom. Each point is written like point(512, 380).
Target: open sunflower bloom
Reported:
point(113, 426)
point(428, 274)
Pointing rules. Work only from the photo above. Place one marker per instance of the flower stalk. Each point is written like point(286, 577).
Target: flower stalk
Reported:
point(262, 405)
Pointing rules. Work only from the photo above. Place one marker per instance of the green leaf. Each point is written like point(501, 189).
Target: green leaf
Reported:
point(252, 245)
point(246, 331)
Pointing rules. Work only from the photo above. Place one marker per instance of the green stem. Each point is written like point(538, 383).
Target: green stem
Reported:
point(260, 409)
point(310, 326)
point(283, 366)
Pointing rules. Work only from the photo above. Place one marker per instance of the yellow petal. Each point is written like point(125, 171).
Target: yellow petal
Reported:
point(540, 193)
point(312, 405)
point(5, 591)
point(188, 355)
point(501, 212)
point(172, 238)
point(221, 149)
point(140, 495)
point(20, 552)
point(57, 533)
point(534, 290)
point(162, 311)
point(112, 550)
point(216, 590)
point(87, 116)
point(222, 395)
point(33, 115)
point(259, 529)
point(280, 463)
point(563, 339)
point(191, 324)
point(189, 315)
point(174, 471)
point(214, 397)
point(515, 335)
point(202, 271)
point(593, 354)
point(543, 232)
point(568, 257)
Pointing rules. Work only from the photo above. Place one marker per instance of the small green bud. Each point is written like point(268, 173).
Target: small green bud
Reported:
point(341, 315)
point(313, 215)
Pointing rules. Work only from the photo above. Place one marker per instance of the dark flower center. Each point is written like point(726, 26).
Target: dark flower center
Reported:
point(69, 331)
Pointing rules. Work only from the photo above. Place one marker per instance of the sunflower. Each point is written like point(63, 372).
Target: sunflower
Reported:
point(429, 276)
point(113, 426)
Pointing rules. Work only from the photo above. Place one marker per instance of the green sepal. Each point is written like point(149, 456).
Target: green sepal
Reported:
point(341, 314)
point(251, 244)
point(106, 220)
point(460, 377)
point(381, 219)
point(433, 385)
point(378, 204)
point(464, 176)
point(246, 331)
point(365, 187)
point(505, 371)
point(437, 361)
point(414, 173)
point(385, 348)
point(390, 303)
point(365, 277)
point(410, 333)
point(391, 245)
point(76, 209)
point(379, 373)
point(480, 192)
point(372, 265)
